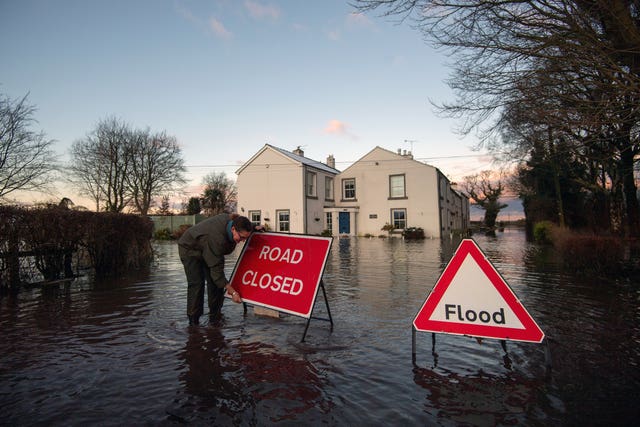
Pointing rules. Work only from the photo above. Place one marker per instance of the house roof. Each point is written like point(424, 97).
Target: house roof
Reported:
point(299, 159)
point(391, 154)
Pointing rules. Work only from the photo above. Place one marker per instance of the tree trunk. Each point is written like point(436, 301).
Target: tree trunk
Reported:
point(630, 195)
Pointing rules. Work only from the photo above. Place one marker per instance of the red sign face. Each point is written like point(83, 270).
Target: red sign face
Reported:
point(281, 271)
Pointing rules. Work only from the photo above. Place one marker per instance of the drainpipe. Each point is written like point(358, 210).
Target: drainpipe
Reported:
point(304, 199)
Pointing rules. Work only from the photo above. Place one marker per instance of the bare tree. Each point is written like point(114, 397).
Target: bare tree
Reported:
point(219, 195)
point(27, 162)
point(485, 193)
point(157, 166)
point(118, 166)
point(86, 170)
point(574, 64)
point(101, 163)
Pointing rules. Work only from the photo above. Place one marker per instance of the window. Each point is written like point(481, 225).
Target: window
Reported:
point(328, 188)
point(349, 189)
point(329, 221)
point(282, 221)
point(399, 218)
point(396, 187)
point(254, 217)
point(311, 184)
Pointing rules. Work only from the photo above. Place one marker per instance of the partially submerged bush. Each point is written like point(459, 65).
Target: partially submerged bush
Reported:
point(413, 233)
point(117, 242)
point(48, 237)
point(180, 231)
point(542, 232)
point(163, 234)
point(581, 251)
point(590, 252)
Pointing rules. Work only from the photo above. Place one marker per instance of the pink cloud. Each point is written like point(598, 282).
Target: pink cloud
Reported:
point(260, 11)
point(359, 20)
point(219, 29)
point(336, 127)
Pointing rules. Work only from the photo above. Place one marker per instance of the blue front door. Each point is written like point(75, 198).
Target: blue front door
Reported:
point(343, 223)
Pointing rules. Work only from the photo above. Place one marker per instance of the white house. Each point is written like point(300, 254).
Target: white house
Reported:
point(384, 187)
point(292, 193)
point(285, 190)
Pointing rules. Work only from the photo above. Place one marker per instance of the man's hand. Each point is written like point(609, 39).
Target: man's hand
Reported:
point(235, 295)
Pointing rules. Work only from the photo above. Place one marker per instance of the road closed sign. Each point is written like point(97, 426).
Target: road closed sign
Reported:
point(281, 271)
point(471, 298)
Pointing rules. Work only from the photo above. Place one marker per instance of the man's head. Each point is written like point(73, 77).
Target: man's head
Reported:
point(241, 228)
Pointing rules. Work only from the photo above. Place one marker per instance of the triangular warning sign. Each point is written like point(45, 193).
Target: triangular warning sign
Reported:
point(471, 298)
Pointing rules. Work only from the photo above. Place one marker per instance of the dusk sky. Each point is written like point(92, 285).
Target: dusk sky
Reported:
point(227, 76)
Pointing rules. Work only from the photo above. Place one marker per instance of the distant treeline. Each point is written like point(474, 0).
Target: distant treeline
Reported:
point(56, 242)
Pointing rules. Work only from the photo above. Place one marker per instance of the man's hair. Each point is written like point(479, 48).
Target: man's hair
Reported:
point(242, 223)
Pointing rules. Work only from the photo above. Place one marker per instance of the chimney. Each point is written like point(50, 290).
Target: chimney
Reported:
point(299, 151)
point(331, 161)
point(399, 151)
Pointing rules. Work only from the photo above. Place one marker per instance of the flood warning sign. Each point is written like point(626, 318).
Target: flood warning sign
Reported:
point(471, 298)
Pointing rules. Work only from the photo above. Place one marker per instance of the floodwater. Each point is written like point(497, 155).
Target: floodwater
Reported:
point(121, 352)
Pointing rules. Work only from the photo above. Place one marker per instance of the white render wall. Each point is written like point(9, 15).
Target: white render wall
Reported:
point(271, 182)
point(372, 192)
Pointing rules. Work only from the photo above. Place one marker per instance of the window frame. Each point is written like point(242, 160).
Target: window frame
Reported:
point(250, 215)
point(344, 188)
point(311, 184)
point(403, 188)
point(393, 219)
point(328, 188)
point(280, 222)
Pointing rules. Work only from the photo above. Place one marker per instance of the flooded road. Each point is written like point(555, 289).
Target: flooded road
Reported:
point(121, 352)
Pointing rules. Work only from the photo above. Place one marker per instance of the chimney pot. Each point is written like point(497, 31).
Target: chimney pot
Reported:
point(331, 161)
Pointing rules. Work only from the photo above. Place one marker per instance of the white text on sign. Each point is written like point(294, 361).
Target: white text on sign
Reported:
point(276, 283)
point(286, 285)
point(472, 315)
point(277, 254)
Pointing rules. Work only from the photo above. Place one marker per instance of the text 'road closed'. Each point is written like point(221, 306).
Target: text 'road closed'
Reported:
point(281, 271)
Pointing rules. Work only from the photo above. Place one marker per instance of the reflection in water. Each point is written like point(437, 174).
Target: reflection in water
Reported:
point(478, 399)
point(227, 382)
point(210, 379)
point(121, 352)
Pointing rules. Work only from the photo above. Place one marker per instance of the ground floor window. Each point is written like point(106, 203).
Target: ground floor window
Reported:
point(282, 221)
point(399, 218)
point(254, 217)
point(329, 221)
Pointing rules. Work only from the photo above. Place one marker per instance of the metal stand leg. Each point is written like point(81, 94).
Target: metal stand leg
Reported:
point(413, 344)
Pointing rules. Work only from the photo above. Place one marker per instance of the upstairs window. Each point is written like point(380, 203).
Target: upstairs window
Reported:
point(397, 187)
point(349, 189)
point(312, 184)
point(328, 188)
